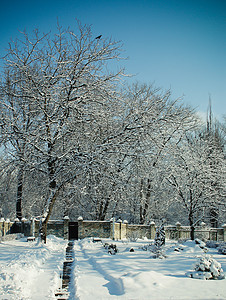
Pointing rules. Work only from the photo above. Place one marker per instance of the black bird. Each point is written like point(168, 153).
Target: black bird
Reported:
point(98, 37)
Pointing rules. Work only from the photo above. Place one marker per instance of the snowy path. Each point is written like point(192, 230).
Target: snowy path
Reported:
point(134, 275)
point(30, 270)
point(91, 274)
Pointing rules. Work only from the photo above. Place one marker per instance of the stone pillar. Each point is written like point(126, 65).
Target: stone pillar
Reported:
point(23, 220)
point(66, 227)
point(7, 224)
point(80, 227)
point(125, 222)
point(112, 232)
point(2, 226)
point(178, 230)
point(152, 230)
point(224, 232)
point(32, 227)
point(120, 228)
point(36, 228)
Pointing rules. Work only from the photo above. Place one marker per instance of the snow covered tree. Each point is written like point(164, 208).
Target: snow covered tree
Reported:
point(152, 122)
point(65, 82)
point(160, 236)
point(215, 140)
point(191, 174)
point(16, 121)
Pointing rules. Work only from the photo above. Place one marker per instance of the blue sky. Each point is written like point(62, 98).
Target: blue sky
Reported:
point(177, 44)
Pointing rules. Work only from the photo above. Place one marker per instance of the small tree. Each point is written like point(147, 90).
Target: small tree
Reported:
point(160, 237)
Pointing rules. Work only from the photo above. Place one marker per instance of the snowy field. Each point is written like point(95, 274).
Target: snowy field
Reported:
point(30, 270)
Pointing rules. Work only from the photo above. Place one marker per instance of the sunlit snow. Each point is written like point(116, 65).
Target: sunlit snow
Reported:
point(30, 270)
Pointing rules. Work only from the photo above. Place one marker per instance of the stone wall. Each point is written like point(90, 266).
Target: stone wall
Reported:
point(122, 230)
point(5, 226)
point(58, 228)
point(140, 231)
point(109, 229)
point(55, 228)
point(31, 228)
point(101, 229)
point(201, 232)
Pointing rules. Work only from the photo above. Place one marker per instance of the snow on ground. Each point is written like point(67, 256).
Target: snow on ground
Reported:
point(30, 270)
point(136, 275)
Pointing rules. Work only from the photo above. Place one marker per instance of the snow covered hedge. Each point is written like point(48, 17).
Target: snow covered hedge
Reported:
point(207, 268)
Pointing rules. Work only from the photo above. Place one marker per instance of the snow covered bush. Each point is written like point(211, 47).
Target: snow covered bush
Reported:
point(112, 249)
point(222, 248)
point(207, 268)
point(147, 247)
point(179, 248)
point(220, 245)
point(158, 253)
point(212, 244)
point(201, 244)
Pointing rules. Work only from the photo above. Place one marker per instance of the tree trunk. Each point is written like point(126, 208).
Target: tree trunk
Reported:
point(192, 227)
point(19, 193)
point(144, 211)
point(43, 231)
point(47, 214)
point(103, 209)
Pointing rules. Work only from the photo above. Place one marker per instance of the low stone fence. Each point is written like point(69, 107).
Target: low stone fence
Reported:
point(5, 226)
point(101, 229)
point(123, 230)
point(202, 232)
point(109, 229)
point(9, 229)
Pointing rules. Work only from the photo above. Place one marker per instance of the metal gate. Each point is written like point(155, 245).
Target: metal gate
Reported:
point(73, 230)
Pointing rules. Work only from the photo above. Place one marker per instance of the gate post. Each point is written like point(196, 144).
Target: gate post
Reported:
point(2, 226)
point(224, 232)
point(178, 230)
point(80, 227)
point(66, 228)
point(112, 230)
point(152, 230)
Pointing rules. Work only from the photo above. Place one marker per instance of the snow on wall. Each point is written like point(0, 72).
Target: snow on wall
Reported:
point(105, 229)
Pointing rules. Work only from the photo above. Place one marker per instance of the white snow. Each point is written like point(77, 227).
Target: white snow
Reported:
point(136, 275)
point(30, 270)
